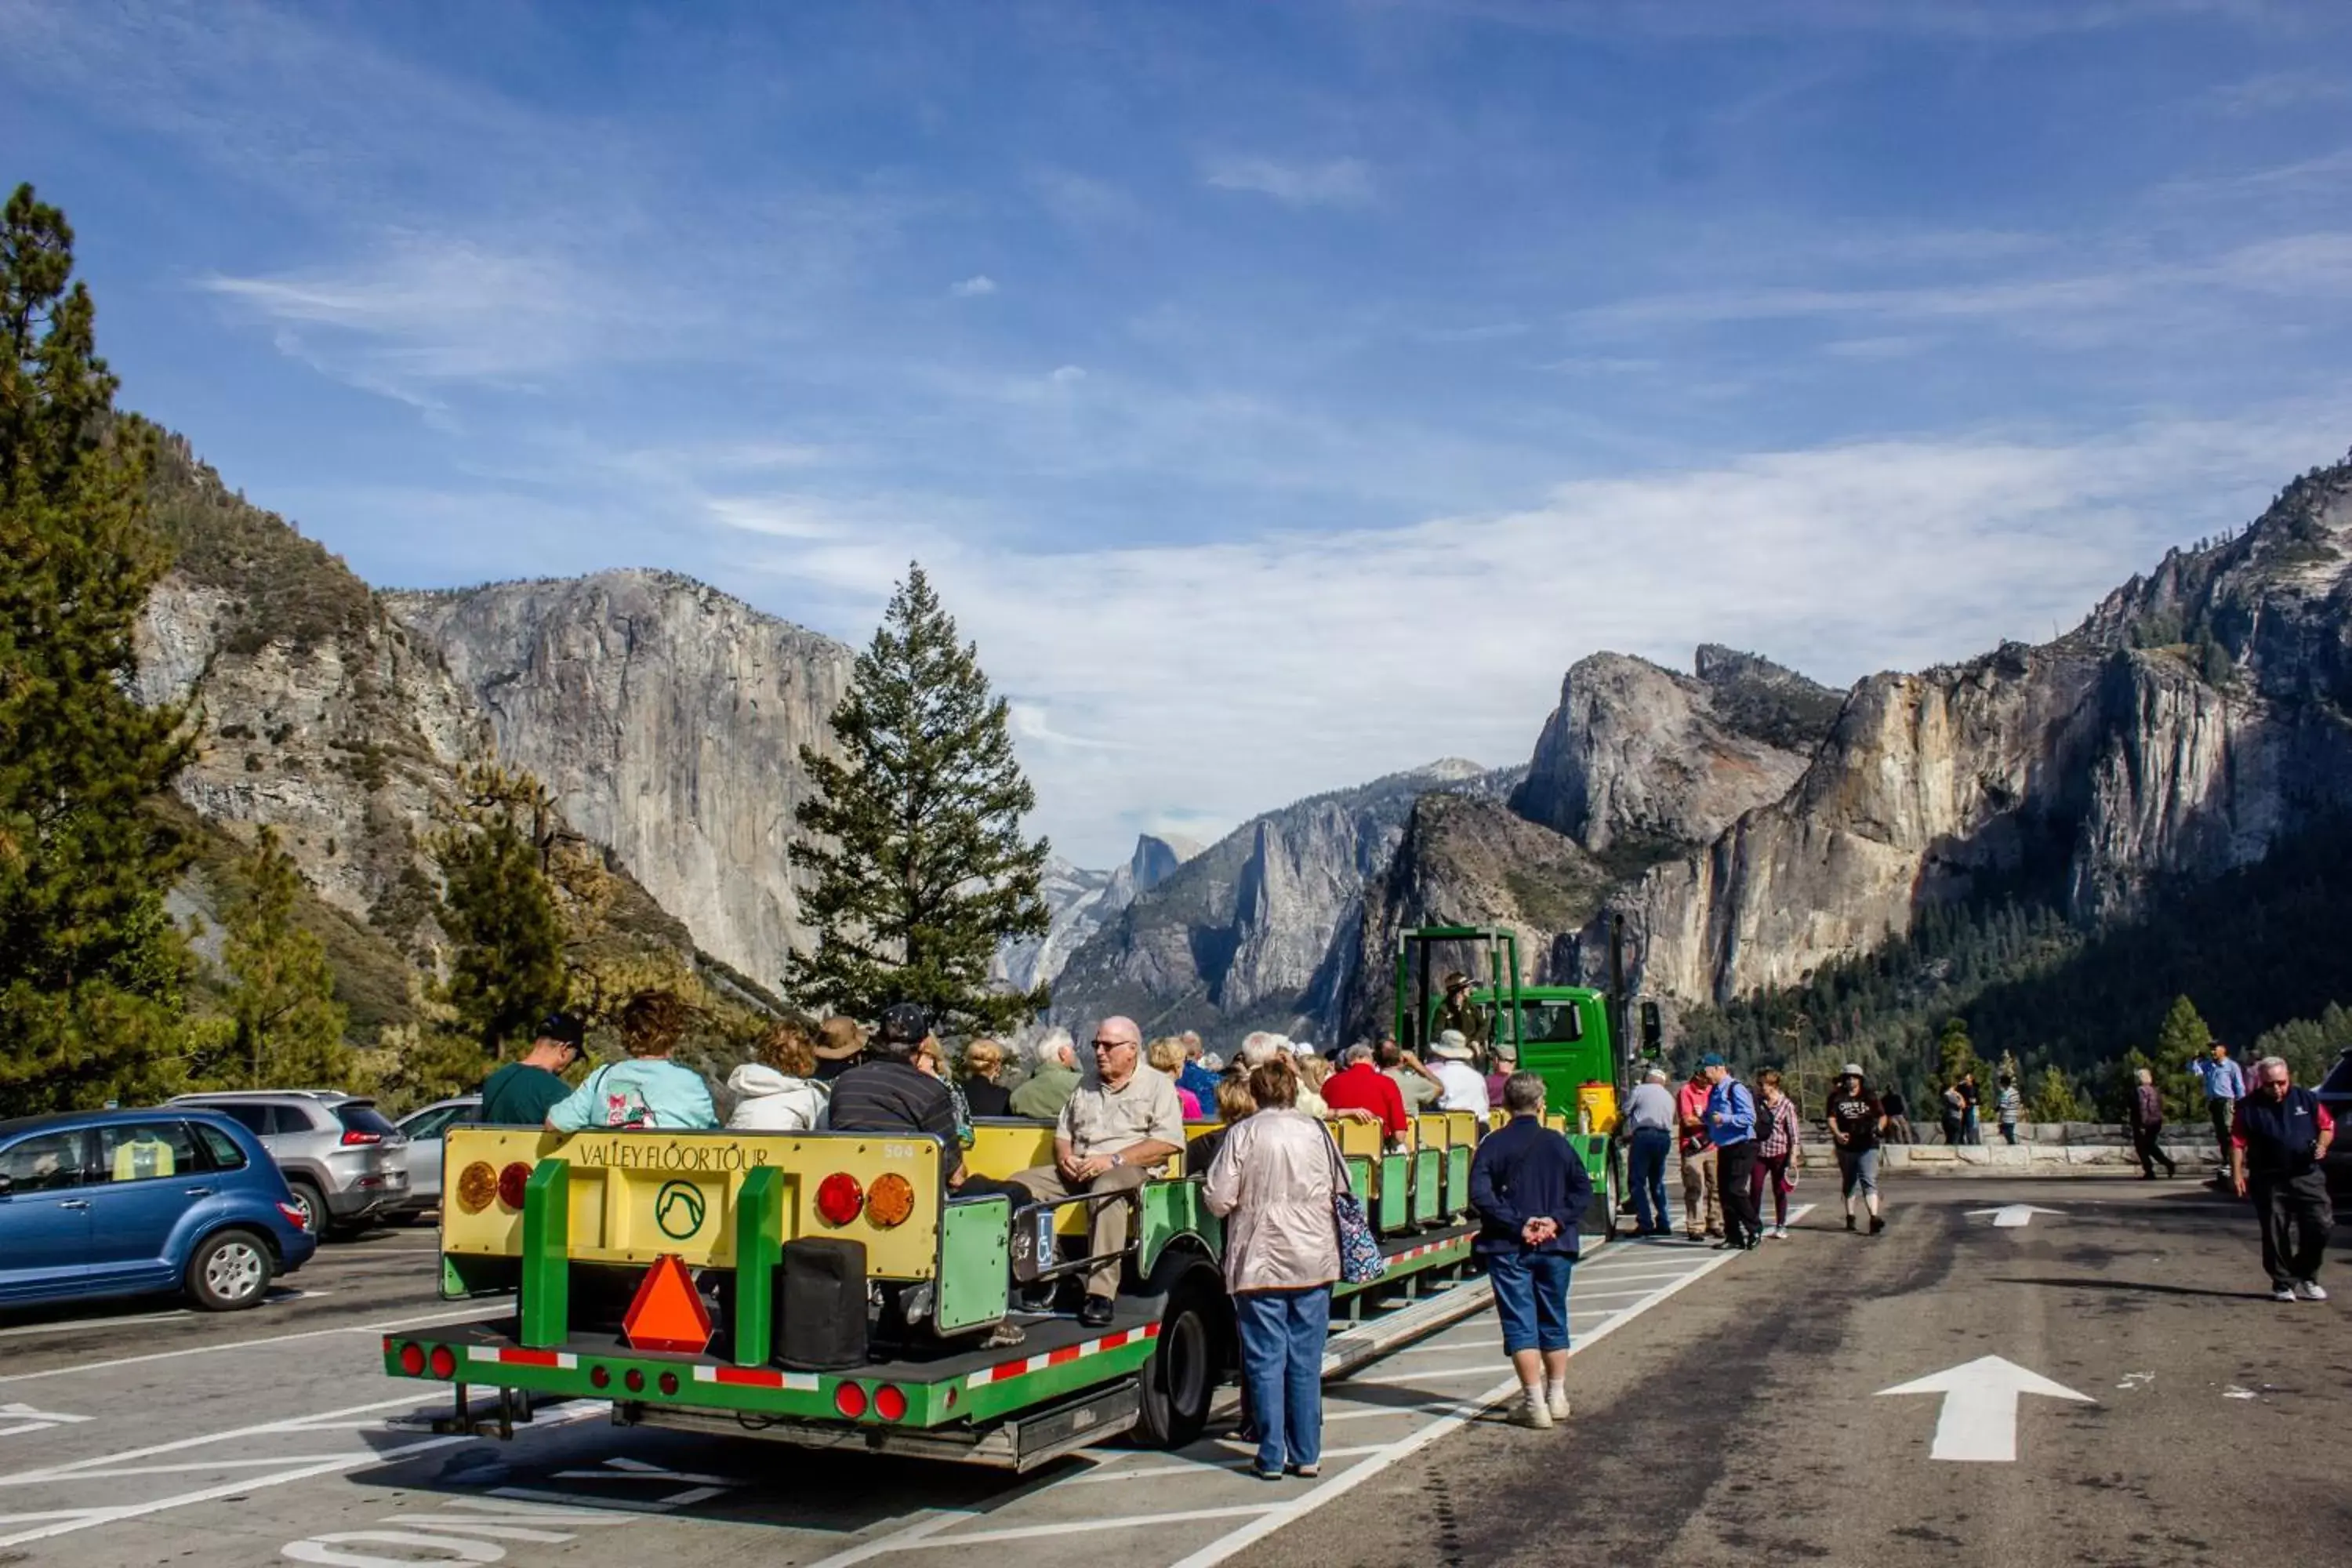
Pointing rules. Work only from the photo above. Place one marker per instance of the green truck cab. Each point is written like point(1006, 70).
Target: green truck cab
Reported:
point(1565, 1034)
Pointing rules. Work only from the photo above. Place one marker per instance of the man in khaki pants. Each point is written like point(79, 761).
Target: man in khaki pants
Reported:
point(1699, 1186)
point(1110, 1133)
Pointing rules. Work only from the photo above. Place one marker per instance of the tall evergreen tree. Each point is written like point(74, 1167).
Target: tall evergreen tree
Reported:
point(90, 964)
point(289, 1027)
point(506, 967)
point(916, 864)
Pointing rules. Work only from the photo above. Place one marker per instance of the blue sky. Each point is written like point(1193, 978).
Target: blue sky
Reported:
point(1282, 393)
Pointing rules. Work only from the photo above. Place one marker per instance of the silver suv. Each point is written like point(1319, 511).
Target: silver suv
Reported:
point(343, 1161)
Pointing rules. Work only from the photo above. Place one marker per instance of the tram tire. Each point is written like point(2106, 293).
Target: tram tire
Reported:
point(1181, 1381)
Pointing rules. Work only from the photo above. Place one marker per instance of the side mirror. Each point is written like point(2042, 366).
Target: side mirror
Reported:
point(1653, 1032)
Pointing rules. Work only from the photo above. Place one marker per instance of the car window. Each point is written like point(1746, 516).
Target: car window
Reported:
point(430, 1123)
point(363, 1119)
point(145, 1151)
point(2339, 1081)
point(1553, 1021)
point(227, 1155)
point(42, 1162)
point(284, 1118)
point(254, 1119)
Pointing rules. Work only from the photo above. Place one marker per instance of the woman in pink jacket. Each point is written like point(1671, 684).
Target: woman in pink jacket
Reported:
point(1272, 1183)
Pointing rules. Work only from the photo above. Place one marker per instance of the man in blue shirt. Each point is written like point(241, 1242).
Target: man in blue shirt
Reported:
point(2225, 1085)
point(1731, 1127)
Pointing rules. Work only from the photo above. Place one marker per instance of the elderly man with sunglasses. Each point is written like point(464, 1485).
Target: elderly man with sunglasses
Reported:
point(1111, 1135)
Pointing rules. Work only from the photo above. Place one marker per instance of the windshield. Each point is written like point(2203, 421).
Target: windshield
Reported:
point(1553, 1021)
point(363, 1119)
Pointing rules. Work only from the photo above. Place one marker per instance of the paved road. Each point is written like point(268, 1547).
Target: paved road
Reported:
point(151, 1435)
point(1727, 1410)
point(1746, 1426)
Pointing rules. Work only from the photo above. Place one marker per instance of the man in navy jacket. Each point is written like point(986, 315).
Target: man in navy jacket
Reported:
point(1530, 1191)
point(2278, 1156)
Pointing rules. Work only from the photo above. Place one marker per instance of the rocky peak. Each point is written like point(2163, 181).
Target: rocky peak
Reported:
point(1638, 760)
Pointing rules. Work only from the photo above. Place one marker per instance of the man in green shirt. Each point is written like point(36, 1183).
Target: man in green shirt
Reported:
point(521, 1094)
point(1049, 1088)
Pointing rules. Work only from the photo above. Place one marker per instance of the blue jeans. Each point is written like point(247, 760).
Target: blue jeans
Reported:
point(1531, 1298)
point(1282, 1356)
point(1651, 1147)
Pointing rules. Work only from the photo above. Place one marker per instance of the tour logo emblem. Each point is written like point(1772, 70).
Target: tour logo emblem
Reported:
point(677, 1209)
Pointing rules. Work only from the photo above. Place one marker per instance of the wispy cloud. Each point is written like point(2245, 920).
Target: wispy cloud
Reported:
point(1338, 182)
point(1259, 670)
point(2278, 91)
point(974, 288)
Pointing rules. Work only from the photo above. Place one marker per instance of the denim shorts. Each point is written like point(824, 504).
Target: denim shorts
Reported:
point(1531, 1298)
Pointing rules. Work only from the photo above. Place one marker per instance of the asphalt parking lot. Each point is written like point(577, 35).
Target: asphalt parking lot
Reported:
point(1729, 1408)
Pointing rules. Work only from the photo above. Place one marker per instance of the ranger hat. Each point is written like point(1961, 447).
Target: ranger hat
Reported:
point(1457, 981)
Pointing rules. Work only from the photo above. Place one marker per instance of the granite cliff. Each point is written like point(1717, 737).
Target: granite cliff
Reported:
point(2198, 715)
point(1262, 928)
point(667, 718)
point(1078, 901)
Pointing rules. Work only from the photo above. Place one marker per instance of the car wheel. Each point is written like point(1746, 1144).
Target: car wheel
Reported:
point(1182, 1376)
point(312, 1202)
point(229, 1272)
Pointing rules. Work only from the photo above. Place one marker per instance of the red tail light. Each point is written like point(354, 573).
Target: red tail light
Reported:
point(444, 1362)
point(412, 1360)
point(838, 1199)
point(293, 1215)
point(889, 1402)
point(600, 1376)
point(670, 1382)
point(634, 1379)
point(353, 1138)
point(850, 1400)
point(514, 1184)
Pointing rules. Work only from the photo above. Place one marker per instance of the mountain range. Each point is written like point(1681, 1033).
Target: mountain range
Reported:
point(1749, 825)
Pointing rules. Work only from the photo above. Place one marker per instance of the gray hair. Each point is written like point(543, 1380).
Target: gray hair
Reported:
point(1656, 1074)
point(2262, 1067)
point(1362, 1051)
point(1263, 1046)
point(1057, 1046)
point(1522, 1092)
point(2145, 1076)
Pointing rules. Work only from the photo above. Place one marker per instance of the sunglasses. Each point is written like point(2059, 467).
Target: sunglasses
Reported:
point(1111, 1045)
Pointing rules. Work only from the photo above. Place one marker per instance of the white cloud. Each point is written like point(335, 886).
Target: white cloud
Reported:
point(975, 286)
point(1065, 374)
point(1340, 183)
point(1210, 681)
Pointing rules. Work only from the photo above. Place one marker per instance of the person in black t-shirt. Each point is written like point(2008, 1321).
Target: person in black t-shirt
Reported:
point(888, 1093)
point(1856, 1122)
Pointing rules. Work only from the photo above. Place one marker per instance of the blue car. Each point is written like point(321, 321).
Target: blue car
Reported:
point(129, 1203)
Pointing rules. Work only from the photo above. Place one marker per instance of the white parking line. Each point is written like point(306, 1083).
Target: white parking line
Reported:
point(1469, 1410)
point(436, 1319)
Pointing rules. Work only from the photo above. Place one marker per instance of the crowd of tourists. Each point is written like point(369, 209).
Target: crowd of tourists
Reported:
point(1271, 1169)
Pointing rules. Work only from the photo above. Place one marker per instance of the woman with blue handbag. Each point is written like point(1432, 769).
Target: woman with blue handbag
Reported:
point(1274, 1182)
point(1530, 1191)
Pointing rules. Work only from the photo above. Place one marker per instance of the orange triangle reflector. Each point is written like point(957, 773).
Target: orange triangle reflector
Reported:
point(666, 1315)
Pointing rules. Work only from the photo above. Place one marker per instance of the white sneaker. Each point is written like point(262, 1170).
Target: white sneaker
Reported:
point(1556, 1403)
point(1778, 1233)
point(2283, 1293)
point(2309, 1290)
point(1533, 1412)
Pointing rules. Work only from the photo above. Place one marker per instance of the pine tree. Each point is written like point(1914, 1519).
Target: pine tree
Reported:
point(507, 966)
point(917, 865)
point(90, 964)
point(1956, 1057)
point(2183, 1037)
point(2054, 1100)
point(289, 1027)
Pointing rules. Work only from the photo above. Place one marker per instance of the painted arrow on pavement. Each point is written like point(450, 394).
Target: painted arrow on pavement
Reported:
point(2009, 1215)
point(1979, 1423)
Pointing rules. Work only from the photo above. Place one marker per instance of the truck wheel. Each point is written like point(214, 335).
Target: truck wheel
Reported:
point(229, 1271)
point(1182, 1376)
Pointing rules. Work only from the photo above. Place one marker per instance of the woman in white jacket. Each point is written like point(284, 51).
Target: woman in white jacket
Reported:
point(1273, 1183)
point(779, 1093)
